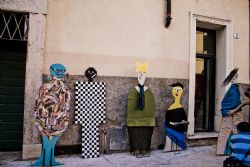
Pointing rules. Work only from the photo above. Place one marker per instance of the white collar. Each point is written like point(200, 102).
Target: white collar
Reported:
point(138, 89)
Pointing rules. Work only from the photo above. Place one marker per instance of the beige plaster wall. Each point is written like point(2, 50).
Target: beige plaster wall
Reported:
point(114, 34)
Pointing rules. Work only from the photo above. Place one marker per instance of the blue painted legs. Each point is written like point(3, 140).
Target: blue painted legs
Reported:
point(47, 155)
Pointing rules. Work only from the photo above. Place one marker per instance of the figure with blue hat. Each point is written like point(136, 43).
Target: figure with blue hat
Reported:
point(230, 101)
point(52, 114)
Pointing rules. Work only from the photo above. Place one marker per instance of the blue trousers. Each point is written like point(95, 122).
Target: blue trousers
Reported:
point(47, 155)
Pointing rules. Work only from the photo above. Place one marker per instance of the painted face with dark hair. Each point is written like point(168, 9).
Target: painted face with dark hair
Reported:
point(177, 91)
point(91, 73)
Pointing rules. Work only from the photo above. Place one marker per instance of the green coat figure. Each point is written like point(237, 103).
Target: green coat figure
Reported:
point(140, 115)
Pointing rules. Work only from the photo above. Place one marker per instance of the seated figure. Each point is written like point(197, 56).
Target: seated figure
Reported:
point(175, 122)
point(240, 144)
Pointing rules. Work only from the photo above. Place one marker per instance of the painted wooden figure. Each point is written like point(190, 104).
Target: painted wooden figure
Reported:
point(90, 112)
point(52, 114)
point(229, 121)
point(176, 122)
point(140, 115)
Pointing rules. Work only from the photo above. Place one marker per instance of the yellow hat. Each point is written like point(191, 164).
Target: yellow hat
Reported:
point(140, 67)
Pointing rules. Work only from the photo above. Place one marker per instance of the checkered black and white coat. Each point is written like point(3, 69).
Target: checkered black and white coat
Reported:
point(90, 113)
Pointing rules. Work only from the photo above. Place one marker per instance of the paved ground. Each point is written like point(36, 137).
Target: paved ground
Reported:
point(192, 157)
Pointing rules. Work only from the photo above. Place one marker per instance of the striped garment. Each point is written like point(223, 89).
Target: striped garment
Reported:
point(240, 145)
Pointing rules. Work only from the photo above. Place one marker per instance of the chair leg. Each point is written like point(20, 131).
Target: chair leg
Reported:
point(175, 147)
point(177, 150)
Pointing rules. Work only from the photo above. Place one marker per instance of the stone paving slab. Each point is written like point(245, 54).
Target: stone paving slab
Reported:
point(192, 157)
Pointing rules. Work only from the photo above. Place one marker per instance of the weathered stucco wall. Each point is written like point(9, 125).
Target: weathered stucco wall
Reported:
point(117, 90)
point(113, 34)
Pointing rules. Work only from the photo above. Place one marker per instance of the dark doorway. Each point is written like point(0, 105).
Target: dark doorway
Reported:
point(13, 51)
point(205, 80)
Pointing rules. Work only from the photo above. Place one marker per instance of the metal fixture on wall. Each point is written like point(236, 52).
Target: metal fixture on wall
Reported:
point(168, 18)
point(105, 147)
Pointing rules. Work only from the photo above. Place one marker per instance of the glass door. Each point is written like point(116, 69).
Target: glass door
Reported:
point(204, 80)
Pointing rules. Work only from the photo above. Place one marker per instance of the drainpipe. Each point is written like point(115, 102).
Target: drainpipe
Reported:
point(169, 18)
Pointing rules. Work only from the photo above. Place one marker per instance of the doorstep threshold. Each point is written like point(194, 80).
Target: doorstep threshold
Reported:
point(203, 135)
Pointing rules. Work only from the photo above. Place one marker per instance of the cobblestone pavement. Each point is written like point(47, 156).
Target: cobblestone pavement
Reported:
point(192, 157)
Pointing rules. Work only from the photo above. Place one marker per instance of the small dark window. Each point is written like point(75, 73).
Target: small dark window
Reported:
point(13, 26)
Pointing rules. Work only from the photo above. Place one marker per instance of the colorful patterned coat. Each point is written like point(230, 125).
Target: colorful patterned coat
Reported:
point(52, 108)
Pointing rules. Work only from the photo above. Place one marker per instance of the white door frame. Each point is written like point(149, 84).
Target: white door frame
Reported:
point(227, 53)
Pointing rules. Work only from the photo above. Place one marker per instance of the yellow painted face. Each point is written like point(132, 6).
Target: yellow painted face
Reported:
point(177, 91)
